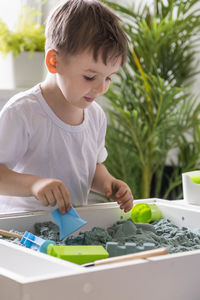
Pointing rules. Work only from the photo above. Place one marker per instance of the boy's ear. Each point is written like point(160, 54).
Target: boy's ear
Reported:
point(51, 61)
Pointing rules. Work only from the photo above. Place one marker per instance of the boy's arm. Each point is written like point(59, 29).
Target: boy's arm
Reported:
point(118, 190)
point(48, 191)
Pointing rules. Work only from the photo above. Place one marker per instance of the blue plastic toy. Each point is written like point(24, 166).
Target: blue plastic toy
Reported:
point(68, 223)
point(34, 242)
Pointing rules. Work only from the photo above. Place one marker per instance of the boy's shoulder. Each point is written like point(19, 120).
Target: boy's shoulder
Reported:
point(22, 99)
point(96, 115)
point(96, 109)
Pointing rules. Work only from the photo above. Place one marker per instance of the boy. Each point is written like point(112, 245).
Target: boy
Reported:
point(52, 136)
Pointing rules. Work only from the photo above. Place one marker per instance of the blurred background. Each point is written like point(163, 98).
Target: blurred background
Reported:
point(153, 103)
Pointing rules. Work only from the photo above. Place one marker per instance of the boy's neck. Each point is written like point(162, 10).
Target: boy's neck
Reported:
point(66, 112)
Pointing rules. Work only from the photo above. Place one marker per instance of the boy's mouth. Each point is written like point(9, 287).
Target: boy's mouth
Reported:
point(89, 99)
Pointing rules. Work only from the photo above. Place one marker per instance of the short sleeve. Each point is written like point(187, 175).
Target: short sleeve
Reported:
point(13, 137)
point(102, 152)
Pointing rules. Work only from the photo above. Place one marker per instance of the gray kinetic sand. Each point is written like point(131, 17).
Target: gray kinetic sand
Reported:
point(162, 233)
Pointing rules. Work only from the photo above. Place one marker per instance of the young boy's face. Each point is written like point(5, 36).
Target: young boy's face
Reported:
point(81, 79)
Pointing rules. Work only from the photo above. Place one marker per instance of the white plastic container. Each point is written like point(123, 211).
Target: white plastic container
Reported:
point(191, 187)
point(28, 275)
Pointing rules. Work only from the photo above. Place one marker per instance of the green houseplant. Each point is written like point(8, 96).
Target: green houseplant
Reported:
point(22, 51)
point(28, 35)
point(151, 109)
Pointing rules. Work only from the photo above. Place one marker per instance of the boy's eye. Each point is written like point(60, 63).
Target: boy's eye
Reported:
point(89, 78)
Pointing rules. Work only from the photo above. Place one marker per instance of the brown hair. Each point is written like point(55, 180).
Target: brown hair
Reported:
point(77, 25)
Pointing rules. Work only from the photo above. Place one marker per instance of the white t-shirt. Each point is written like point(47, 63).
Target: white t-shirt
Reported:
point(33, 140)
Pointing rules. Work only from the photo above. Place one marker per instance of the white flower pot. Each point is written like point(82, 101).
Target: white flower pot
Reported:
point(22, 71)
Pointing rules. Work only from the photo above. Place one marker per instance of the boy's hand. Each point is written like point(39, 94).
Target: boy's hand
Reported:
point(119, 191)
point(51, 191)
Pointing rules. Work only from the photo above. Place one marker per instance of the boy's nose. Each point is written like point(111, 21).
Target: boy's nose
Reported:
point(100, 88)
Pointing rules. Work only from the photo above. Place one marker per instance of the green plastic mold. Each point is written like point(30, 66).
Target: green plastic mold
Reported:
point(195, 178)
point(145, 213)
point(78, 254)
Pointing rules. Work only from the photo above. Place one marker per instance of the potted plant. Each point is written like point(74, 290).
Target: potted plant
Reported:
point(152, 111)
point(22, 51)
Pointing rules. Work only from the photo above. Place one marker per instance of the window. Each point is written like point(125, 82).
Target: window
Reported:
point(9, 11)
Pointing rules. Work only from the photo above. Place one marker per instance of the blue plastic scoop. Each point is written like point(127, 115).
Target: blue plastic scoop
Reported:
point(68, 223)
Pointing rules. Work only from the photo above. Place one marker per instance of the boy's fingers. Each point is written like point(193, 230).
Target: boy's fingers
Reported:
point(123, 196)
point(108, 191)
point(121, 191)
point(43, 200)
point(65, 197)
point(50, 198)
point(59, 200)
point(127, 204)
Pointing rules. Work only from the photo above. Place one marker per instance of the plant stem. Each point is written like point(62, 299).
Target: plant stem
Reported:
point(146, 182)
